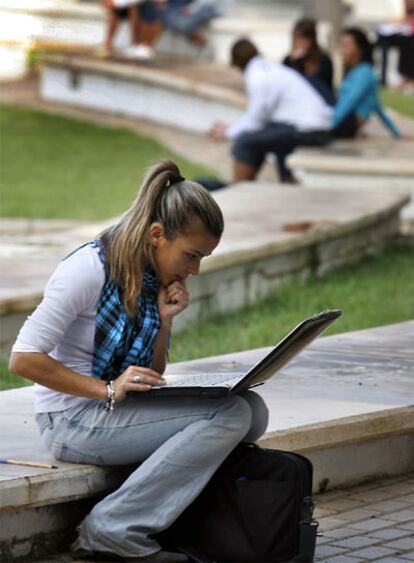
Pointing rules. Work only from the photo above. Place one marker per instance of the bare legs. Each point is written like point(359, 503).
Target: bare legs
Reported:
point(112, 26)
point(134, 24)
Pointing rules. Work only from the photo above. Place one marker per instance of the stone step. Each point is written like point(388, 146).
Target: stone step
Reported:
point(199, 93)
point(372, 163)
point(346, 397)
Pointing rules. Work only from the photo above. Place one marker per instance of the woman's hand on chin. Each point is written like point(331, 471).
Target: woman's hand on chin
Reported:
point(172, 300)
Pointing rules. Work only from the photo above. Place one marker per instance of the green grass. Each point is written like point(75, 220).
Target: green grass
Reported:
point(377, 292)
point(402, 103)
point(9, 380)
point(55, 167)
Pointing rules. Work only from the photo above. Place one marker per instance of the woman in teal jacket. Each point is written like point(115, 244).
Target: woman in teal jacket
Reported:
point(358, 95)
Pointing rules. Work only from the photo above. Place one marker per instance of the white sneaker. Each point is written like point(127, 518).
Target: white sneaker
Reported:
point(139, 52)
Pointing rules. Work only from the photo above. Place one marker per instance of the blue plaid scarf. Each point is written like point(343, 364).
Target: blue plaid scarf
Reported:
point(119, 340)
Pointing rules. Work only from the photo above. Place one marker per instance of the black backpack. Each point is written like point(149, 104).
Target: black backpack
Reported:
point(257, 508)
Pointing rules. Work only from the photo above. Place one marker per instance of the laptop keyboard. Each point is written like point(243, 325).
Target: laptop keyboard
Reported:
point(202, 379)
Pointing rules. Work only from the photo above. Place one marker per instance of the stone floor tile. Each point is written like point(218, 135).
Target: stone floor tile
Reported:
point(394, 560)
point(370, 486)
point(357, 514)
point(389, 533)
point(331, 523)
point(402, 543)
point(399, 516)
point(341, 533)
point(407, 526)
point(342, 504)
point(399, 489)
point(370, 524)
point(389, 505)
point(342, 559)
point(321, 540)
point(356, 542)
point(373, 553)
point(322, 512)
point(409, 555)
point(376, 495)
point(325, 551)
point(322, 499)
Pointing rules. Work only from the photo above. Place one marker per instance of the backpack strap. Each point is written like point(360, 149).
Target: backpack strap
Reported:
point(307, 532)
point(307, 541)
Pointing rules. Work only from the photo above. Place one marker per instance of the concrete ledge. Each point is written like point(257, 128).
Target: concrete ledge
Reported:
point(67, 485)
point(372, 164)
point(375, 153)
point(153, 74)
point(343, 431)
point(146, 90)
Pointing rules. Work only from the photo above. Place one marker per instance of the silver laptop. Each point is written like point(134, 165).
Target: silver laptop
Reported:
point(227, 383)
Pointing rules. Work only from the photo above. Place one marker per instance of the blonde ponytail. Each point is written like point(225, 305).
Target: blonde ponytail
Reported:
point(164, 197)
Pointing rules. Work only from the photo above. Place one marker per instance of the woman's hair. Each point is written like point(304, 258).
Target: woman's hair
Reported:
point(306, 27)
point(361, 41)
point(242, 52)
point(164, 197)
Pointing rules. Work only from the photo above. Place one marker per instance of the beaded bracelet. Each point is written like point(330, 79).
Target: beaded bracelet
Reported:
point(110, 401)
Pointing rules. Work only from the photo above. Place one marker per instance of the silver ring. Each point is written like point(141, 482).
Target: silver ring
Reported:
point(136, 379)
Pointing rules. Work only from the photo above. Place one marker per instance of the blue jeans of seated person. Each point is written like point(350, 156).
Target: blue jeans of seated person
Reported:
point(181, 442)
point(279, 139)
point(199, 13)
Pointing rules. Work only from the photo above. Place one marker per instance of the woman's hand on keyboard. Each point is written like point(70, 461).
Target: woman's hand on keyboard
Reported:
point(136, 378)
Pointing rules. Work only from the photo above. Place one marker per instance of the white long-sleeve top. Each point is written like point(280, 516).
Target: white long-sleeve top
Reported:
point(277, 93)
point(63, 325)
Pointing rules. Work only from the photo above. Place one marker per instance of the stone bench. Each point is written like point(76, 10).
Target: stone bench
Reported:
point(372, 163)
point(200, 93)
point(346, 402)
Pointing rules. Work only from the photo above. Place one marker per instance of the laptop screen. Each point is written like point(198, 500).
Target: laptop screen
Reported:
point(290, 346)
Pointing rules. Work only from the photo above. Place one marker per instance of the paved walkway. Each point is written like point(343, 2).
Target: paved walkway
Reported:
point(372, 522)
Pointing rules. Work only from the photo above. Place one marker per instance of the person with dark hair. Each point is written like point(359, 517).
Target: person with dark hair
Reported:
point(96, 345)
point(309, 59)
point(284, 111)
point(358, 96)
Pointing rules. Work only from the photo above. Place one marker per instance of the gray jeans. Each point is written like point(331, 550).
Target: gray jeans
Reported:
point(181, 442)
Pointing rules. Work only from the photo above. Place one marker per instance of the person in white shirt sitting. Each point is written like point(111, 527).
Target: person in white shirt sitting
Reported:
point(283, 111)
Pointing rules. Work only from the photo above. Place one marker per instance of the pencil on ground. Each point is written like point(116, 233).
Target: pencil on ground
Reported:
point(28, 463)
